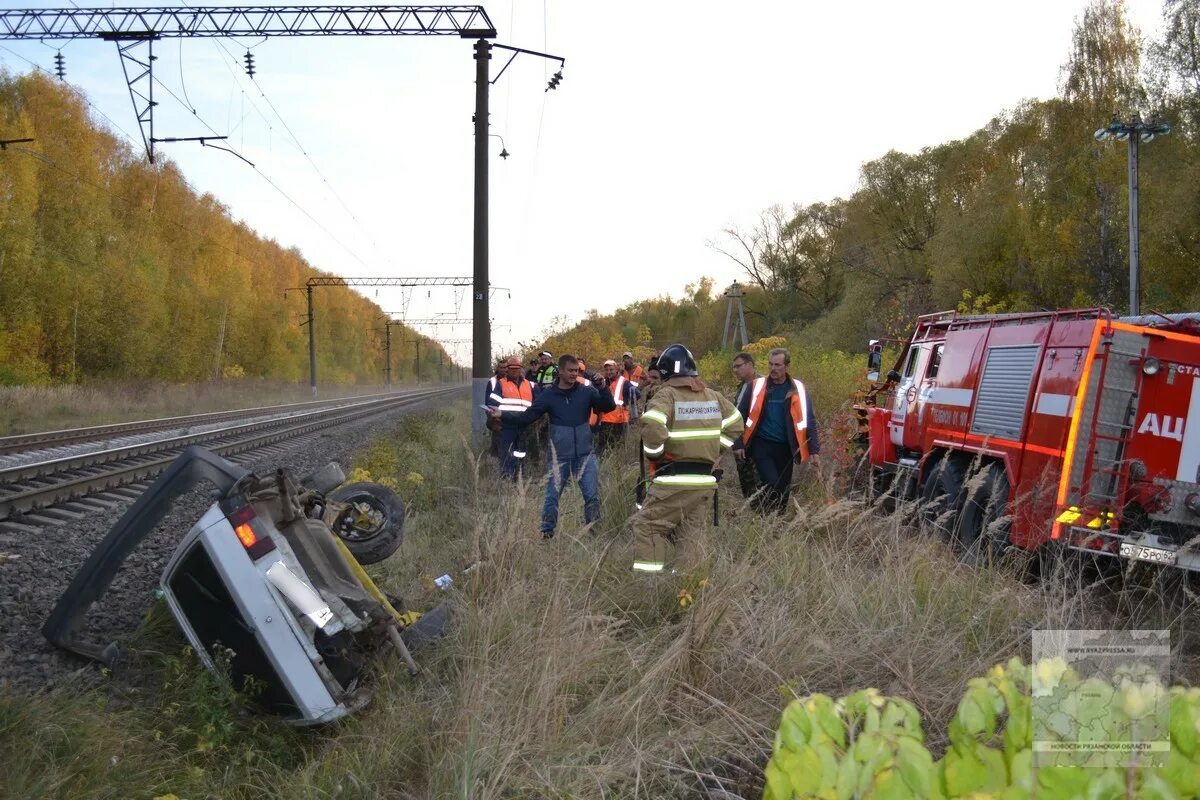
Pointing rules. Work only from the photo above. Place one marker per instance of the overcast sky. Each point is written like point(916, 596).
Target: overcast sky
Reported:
point(673, 121)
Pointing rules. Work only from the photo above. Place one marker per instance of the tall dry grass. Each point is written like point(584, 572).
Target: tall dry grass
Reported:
point(566, 676)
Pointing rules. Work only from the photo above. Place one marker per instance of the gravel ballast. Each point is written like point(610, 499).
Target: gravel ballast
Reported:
point(35, 568)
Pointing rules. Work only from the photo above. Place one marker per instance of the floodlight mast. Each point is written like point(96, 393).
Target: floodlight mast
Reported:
point(1135, 132)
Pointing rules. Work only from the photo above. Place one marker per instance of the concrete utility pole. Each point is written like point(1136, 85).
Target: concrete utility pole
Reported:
point(481, 357)
point(481, 332)
point(1134, 131)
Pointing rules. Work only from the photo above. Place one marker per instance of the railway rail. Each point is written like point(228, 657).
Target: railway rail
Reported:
point(55, 490)
point(70, 436)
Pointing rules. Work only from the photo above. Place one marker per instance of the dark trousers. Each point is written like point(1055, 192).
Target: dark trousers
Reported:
point(747, 477)
point(514, 450)
point(609, 434)
point(773, 461)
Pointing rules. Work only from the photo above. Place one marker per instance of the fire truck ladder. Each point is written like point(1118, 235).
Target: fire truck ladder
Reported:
point(1108, 417)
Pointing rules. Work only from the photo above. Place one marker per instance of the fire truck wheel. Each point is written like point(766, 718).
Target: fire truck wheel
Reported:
point(982, 525)
point(941, 495)
point(880, 489)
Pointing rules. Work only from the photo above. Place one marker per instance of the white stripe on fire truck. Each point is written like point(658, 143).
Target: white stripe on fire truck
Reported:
point(1055, 405)
point(951, 397)
point(1189, 451)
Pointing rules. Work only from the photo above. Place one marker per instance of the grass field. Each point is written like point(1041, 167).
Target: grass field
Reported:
point(564, 676)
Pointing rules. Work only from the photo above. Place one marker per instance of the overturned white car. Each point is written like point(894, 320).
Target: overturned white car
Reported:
point(272, 571)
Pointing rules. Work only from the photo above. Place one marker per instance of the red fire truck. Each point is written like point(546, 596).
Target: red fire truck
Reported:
point(1074, 427)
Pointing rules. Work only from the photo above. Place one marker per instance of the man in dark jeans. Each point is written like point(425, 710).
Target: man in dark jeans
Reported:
point(780, 430)
point(569, 404)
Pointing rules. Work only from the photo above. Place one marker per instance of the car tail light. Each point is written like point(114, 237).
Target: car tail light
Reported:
point(244, 520)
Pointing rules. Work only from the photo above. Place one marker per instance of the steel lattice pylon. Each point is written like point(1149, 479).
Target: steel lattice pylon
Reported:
point(135, 30)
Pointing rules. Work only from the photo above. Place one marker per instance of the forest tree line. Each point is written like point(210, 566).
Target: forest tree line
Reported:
point(114, 268)
point(1028, 212)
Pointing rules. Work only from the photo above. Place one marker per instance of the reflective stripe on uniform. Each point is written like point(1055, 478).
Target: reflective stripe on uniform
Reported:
point(726, 441)
point(755, 391)
point(648, 566)
point(654, 452)
point(685, 480)
point(703, 433)
point(518, 453)
point(655, 415)
point(732, 418)
point(496, 397)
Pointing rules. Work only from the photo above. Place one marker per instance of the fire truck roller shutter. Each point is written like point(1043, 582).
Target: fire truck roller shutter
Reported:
point(1004, 391)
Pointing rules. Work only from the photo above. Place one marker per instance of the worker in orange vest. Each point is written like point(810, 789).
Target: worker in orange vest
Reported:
point(780, 430)
point(613, 424)
point(513, 392)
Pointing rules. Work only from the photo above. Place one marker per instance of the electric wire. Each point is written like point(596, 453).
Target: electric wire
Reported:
point(39, 68)
point(295, 204)
point(262, 174)
point(304, 151)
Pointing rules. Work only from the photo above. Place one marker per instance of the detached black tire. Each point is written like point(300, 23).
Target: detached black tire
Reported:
point(984, 526)
point(372, 526)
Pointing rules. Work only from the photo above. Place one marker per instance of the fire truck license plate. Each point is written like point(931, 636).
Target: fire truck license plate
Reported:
point(1155, 555)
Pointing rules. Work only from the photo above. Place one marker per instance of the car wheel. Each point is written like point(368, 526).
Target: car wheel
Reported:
point(984, 523)
point(372, 522)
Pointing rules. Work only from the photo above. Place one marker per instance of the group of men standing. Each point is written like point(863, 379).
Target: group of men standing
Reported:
point(685, 428)
point(588, 413)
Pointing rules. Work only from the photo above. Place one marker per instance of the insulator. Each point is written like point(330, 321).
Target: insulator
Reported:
point(249, 59)
point(60, 66)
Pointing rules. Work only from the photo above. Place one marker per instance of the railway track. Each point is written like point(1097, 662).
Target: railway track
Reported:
point(70, 436)
point(56, 490)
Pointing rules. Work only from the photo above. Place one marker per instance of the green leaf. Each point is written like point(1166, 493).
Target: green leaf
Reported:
point(1154, 787)
point(1062, 783)
point(804, 772)
point(830, 724)
point(1185, 724)
point(1182, 773)
point(915, 766)
point(1106, 785)
point(779, 786)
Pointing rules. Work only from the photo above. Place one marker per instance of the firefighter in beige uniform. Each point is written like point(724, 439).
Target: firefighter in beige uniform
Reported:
point(685, 429)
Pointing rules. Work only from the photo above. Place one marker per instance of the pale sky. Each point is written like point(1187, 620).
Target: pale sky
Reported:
point(673, 121)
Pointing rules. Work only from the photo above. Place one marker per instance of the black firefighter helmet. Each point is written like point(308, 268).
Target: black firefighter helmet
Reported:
point(676, 362)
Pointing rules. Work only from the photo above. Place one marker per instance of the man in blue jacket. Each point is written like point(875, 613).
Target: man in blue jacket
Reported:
point(569, 405)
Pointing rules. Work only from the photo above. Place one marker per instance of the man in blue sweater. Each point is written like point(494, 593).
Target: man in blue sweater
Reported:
point(569, 405)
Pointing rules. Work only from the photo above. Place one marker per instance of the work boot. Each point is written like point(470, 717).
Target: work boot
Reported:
point(547, 535)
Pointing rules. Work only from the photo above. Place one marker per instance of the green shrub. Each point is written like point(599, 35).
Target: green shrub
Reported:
point(870, 746)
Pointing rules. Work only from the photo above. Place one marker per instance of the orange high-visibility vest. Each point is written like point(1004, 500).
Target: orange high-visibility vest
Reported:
point(513, 396)
point(619, 414)
point(797, 410)
point(635, 375)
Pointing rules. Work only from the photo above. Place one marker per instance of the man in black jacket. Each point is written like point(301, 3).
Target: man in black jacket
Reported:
point(569, 404)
